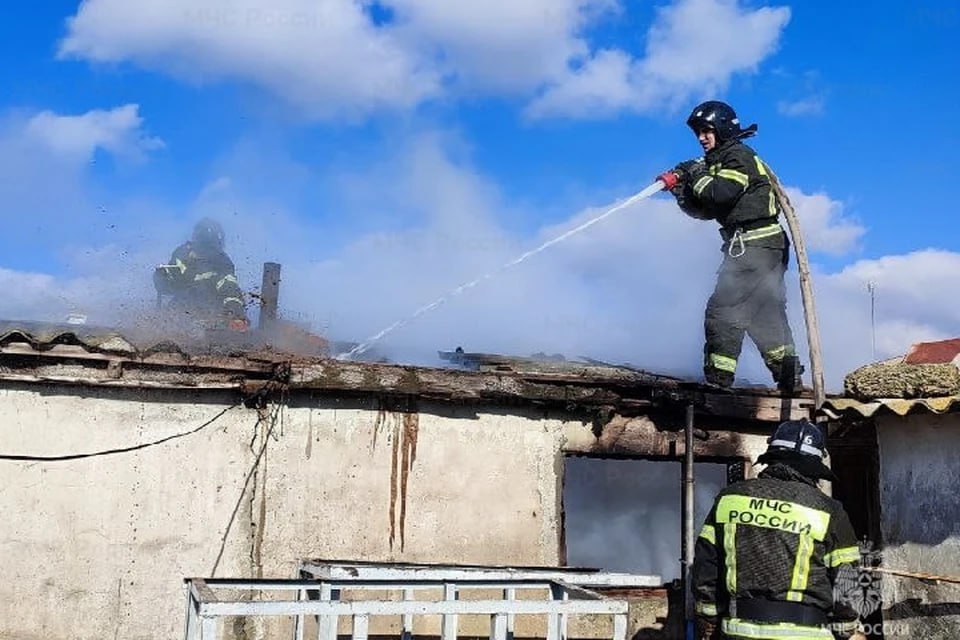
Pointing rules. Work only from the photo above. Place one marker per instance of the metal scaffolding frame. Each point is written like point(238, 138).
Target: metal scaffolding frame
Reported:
point(318, 597)
point(365, 570)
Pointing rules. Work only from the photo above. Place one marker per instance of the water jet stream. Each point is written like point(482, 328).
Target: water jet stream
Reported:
point(363, 346)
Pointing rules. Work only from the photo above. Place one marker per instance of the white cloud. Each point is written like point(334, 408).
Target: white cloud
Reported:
point(501, 45)
point(37, 293)
point(118, 130)
point(810, 106)
point(694, 47)
point(824, 226)
point(326, 57)
point(56, 215)
point(908, 284)
point(696, 42)
point(910, 306)
point(47, 196)
point(337, 58)
point(103, 291)
point(601, 87)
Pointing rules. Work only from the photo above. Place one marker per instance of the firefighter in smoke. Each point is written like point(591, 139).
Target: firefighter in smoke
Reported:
point(201, 280)
point(773, 548)
point(732, 186)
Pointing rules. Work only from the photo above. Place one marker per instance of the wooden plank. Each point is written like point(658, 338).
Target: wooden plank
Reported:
point(750, 407)
point(643, 437)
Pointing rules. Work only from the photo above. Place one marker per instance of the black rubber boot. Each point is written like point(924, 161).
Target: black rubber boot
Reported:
point(721, 379)
point(790, 380)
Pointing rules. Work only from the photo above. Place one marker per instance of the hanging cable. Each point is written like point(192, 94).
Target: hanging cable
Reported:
point(107, 452)
point(273, 417)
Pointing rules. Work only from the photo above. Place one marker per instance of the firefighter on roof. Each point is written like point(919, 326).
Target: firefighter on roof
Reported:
point(772, 549)
point(732, 186)
point(202, 281)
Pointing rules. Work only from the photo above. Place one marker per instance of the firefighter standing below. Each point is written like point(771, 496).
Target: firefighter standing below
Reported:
point(202, 281)
point(731, 185)
point(772, 548)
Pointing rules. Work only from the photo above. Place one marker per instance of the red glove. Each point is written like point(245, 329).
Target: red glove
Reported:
point(669, 179)
point(239, 324)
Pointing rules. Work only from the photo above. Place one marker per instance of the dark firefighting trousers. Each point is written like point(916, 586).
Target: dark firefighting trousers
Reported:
point(749, 298)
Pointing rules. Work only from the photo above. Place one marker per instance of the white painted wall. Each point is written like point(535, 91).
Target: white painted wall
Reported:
point(97, 548)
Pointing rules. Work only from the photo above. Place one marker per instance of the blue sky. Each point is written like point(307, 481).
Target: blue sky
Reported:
point(385, 152)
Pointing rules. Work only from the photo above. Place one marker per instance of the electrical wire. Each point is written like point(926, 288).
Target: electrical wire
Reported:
point(246, 482)
point(272, 416)
point(107, 452)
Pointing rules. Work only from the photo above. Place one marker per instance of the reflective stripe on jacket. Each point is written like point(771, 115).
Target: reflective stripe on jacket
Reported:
point(736, 188)
point(205, 279)
point(775, 538)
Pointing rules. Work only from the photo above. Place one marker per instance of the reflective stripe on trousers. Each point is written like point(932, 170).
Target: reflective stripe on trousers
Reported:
point(736, 628)
point(723, 363)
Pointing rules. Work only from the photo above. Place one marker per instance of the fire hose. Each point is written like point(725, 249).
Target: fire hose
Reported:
point(926, 577)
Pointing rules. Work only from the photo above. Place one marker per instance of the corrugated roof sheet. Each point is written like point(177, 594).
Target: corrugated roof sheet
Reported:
point(39, 335)
point(837, 408)
point(151, 335)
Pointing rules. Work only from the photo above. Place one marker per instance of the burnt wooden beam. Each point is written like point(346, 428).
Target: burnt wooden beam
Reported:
point(766, 408)
point(269, 295)
point(643, 436)
point(595, 393)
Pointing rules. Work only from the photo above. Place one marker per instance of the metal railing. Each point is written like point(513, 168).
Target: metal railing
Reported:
point(316, 598)
point(361, 570)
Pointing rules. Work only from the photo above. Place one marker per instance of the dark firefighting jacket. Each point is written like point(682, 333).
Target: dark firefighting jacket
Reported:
point(768, 557)
point(201, 280)
point(735, 190)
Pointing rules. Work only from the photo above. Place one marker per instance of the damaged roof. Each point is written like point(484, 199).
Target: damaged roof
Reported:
point(41, 336)
point(80, 355)
point(927, 371)
point(925, 380)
